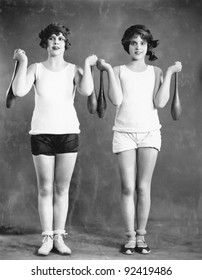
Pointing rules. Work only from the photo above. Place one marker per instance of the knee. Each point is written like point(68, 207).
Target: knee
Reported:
point(45, 190)
point(143, 189)
point(127, 191)
point(62, 189)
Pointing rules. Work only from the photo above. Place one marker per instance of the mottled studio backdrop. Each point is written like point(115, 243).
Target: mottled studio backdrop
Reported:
point(97, 27)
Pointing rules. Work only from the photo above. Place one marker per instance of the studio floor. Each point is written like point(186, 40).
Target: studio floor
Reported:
point(168, 241)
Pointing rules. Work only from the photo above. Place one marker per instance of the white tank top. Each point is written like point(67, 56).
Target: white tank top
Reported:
point(137, 112)
point(54, 111)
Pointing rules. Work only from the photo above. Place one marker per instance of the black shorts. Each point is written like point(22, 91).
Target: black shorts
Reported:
point(52, 144)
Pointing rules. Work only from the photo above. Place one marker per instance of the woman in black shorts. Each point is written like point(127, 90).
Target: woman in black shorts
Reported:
point(54, 127)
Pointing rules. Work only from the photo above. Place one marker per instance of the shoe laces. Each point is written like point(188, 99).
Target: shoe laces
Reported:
point(59, 237)
point(130, 244)
point(141, 241)
point(47, 239)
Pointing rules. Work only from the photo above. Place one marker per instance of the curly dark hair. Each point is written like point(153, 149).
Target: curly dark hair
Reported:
point(54, 28)
point(145, 34)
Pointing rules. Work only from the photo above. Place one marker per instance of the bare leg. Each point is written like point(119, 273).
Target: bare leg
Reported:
point(64, 168)
point(44, 166)
point(127, 168)
point(146, 161)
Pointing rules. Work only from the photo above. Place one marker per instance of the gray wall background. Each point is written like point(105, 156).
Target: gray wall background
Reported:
point(97, 27)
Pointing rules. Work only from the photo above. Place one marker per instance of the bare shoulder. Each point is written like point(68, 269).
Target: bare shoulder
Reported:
point(158, 71)
point(32, 68)
point(116, 69)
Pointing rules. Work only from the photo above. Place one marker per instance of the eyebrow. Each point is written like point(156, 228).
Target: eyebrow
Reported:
point(60, 35)
point(133, 40)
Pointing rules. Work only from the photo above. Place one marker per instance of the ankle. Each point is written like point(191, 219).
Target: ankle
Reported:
point(141, 232)
point(59, 235)
point(130, 235)
point(60, 232)
point(47, 233)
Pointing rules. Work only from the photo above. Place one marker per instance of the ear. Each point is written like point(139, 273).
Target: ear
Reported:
point(45, 45)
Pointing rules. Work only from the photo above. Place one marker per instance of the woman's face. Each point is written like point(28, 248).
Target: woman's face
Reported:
point(138, 48)
point(56, 44)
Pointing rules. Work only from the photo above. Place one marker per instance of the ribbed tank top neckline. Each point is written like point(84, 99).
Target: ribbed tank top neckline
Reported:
point(137, 73)
point(54, 71)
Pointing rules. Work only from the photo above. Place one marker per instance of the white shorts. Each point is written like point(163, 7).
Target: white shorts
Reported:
point(123, 141)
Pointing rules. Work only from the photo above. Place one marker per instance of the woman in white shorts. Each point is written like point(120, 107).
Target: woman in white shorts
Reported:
point(137, 89)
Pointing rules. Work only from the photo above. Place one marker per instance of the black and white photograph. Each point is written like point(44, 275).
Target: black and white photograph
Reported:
point(101, 139)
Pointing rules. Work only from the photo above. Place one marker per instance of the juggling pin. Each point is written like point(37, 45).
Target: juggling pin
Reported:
point(10, 97)
point(102, 104)
point(92, 99)
point(176, 108)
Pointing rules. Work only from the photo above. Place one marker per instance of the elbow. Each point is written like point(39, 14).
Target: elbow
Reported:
point(86, 91)
point(117, 102)
point(160, 105)
point(117, 98)
point(19, 93)
point(160, 102)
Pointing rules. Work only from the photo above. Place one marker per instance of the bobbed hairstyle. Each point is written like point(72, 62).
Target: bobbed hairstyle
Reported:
point(54, 28)
point(145, 34)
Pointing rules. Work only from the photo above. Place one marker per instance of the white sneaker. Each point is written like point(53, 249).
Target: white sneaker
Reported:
point(60, 245)
point(47, 245)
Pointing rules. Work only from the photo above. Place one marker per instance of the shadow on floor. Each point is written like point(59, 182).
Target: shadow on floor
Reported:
point(168, 241)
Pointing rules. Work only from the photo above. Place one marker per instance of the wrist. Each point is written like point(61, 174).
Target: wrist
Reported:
point(169, 71)
point(108, 68)
point(23, 61)
point(87, 63)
